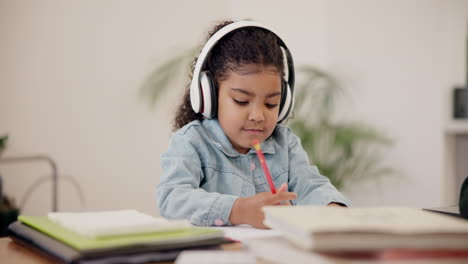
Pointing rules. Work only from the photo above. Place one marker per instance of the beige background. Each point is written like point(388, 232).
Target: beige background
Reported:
point(70, 73)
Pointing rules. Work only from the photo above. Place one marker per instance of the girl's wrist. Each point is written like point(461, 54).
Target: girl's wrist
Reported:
point(236, 216)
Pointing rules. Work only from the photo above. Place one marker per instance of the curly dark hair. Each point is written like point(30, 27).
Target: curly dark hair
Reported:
point(249, 45)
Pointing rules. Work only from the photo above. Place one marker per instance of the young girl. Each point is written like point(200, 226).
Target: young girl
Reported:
point(239, 92)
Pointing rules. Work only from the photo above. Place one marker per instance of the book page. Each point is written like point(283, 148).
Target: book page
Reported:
point(242, 233)
point(400, 220)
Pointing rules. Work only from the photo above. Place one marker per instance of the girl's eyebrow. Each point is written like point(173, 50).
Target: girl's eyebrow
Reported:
point(240, 90)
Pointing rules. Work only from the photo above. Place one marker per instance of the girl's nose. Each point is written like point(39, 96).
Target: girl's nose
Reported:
point(256, 114)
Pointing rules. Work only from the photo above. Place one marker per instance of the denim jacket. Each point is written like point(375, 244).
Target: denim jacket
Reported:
point(203, 174)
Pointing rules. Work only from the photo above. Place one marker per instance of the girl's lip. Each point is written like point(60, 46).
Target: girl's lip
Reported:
point(253, 131)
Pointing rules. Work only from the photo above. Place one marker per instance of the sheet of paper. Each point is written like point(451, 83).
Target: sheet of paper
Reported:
point(245, 232)
point(215, 257)
point(110, 223)
point(279, 250)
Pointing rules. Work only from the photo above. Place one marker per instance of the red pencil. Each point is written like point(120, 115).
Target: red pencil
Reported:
point(256, 145)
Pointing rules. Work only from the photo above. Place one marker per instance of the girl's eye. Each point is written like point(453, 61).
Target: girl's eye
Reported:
point(271, 105)
point(240, 102)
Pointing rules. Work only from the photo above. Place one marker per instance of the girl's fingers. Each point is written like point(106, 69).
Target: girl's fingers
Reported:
point(283, 196)
point(283, 188)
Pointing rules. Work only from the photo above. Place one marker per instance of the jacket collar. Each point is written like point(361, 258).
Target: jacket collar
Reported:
point(221, 141)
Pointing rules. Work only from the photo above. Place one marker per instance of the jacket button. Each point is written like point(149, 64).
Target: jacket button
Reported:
point(252, 166)
point(218, 222)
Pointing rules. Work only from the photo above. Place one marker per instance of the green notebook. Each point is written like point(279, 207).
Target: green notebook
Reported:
point(166, 239)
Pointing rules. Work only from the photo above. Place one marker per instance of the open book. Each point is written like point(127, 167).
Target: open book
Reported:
point(356, 229)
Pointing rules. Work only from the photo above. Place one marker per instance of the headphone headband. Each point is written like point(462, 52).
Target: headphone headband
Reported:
point(195, 97)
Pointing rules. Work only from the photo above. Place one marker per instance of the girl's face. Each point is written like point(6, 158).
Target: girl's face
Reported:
point(248, 104)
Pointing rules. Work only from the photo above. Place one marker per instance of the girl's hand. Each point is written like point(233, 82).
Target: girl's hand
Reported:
point(249, 210)
point(284, 188)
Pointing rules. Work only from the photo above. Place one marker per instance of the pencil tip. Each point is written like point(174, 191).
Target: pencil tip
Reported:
point(256, 144)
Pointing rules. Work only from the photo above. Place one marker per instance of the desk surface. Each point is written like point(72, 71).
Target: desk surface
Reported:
point(15, 253)
point(18, 254)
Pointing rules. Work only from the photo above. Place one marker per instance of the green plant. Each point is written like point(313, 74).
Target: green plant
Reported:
point(343, 151)
point(165, 74)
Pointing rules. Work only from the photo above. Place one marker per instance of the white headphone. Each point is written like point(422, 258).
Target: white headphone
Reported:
point(202, 88)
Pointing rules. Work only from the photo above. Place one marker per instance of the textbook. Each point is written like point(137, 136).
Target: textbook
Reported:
point(326, 228)
point(49, 246)
point(159, 240)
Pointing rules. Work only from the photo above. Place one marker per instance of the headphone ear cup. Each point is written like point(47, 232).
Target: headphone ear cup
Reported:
point(196, 99)
point(208, 95)
point(283, 95)
point(286, 103)
point(214, 97)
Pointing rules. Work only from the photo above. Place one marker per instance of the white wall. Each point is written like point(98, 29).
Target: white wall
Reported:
point(398, 61)
point(70, 77)
point(70, 73)
point(407, 56)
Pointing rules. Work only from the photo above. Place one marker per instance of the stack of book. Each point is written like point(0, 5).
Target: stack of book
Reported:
point(125, 236)
point(382, 233)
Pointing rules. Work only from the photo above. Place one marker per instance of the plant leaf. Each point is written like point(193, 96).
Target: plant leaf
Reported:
point(160, 79)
